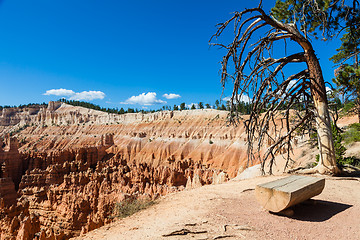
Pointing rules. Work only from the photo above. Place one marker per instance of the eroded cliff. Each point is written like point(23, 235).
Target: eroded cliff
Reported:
point(64, 167)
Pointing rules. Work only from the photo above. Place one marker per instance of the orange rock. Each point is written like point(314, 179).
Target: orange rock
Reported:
point(76, 163)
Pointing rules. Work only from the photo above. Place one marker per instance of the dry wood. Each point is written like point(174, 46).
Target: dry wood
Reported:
point(183, 231)
point(278, 195)
point(224, 236)
point(237, 227)
point(190, 224)
point(248, 189)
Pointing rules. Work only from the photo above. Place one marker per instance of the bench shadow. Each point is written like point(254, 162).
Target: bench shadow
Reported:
point(318, 210)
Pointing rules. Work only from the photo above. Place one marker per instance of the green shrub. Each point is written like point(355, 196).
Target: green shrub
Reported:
point(339, 147)
point(130, 206)
point(355, 126)
point(350, 161)
point(341, 162)
point(351, 135)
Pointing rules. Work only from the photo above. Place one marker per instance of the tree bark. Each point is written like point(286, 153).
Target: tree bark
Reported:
point(327, 162)
point(357, 107)
point(357, 101)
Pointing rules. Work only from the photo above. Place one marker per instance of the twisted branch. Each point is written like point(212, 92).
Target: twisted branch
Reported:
point(280, 105)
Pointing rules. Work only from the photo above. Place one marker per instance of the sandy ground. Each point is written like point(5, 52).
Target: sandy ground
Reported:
point(204, 212)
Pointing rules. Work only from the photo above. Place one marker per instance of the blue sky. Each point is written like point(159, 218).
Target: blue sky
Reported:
point(117, 53)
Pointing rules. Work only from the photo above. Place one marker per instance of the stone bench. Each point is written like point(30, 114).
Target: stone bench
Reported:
point(278, 195)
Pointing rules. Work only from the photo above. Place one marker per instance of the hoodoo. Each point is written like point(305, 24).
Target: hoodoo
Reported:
point(64, 167)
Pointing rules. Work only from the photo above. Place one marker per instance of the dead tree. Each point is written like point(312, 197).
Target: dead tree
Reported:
point(256, 69)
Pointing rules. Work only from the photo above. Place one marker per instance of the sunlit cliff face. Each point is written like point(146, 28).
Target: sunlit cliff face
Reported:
point(67, 166)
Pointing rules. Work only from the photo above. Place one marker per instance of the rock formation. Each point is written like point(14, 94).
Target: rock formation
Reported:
point(65, 167)
point(10, 169)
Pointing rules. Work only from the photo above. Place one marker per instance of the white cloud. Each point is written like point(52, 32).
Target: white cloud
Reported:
point(328, 90)
point(88, 95)
point(190, 105)
point(85, 95)
point(171, 96)
point(59, 92)
point(291, 84)
point(144, 99)
point(244, 98)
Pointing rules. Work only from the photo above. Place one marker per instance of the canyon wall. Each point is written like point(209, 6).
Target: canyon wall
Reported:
point(65, 167)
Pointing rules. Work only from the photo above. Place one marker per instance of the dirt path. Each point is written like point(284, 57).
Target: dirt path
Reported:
point(204, 212)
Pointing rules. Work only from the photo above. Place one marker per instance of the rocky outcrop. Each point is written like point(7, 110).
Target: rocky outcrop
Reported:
point(70, 165)
point(7, 192)
point(61, 114)
point(13, 116)
point(10, 169)
point(73, 192)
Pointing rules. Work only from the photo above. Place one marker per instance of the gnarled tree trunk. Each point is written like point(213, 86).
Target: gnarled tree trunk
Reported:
point(357, 106)
point(327, 162)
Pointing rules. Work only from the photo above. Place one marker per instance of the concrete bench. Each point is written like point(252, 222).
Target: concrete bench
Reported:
point(280, 194)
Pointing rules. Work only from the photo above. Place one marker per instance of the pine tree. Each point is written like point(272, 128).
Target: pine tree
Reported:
point(217, 104)
point(201, 105)
point(182, 106)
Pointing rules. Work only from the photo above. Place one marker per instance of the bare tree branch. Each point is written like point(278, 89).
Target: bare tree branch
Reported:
point(280, 106)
